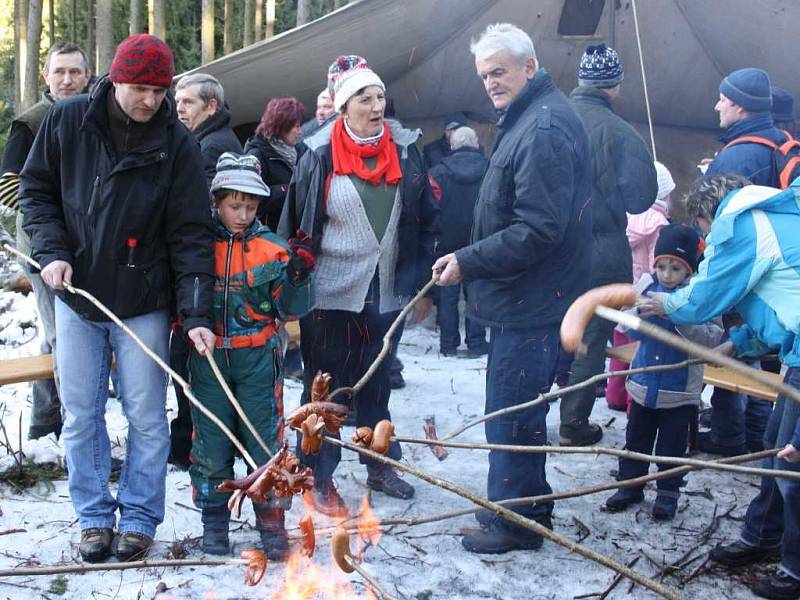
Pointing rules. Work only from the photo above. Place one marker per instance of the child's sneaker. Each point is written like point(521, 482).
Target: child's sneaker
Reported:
point(623, 498)
point(270, 525)
point(215, 530)
point(664, 508)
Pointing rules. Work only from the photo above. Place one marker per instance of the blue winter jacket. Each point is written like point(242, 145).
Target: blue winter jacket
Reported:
point(678, 387)
point(751, 160)
point(752, 264)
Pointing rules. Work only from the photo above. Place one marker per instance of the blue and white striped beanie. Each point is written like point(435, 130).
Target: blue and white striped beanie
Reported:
point(600, 67)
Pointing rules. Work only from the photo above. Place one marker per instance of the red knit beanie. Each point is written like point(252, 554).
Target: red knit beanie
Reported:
point(143, 59)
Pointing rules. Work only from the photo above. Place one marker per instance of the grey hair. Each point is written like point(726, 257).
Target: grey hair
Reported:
point(503, 36)
point(707, 193)
point(66, 48)
point(464, 137)
point(324, 94)
point(208, 87)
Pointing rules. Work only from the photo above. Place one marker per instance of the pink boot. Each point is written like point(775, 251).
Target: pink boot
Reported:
point(616, 395)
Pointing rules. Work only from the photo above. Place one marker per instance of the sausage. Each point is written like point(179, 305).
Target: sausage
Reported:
point(382, 437)
point(581, 312)
point(340, 548)
point(312, 434)
point(309, 538)
point(321, 387)
point(333, 414)
point(256, 566)
point(363, 437)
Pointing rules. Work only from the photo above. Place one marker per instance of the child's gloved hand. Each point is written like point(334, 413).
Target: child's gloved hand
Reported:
point(302, 258)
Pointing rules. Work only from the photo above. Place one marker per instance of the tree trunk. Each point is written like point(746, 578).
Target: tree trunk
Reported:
point(51, 20)
point(73, 22)
point(136, 17)
point(303, 12)
point(20, 50)
point(207, 32)
point(90, 29)
point(270, 18)
point(30, 93)
point(248, 23)
point(227, 31)
point(105, 36)
point(258, 30)
point(157, 19)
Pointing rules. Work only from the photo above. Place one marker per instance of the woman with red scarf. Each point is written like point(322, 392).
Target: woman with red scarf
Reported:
point(360, 193)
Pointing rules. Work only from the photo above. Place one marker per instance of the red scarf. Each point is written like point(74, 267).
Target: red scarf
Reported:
point(348, 156)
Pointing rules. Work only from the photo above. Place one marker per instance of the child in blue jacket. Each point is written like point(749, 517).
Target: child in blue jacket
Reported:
point(665, 402)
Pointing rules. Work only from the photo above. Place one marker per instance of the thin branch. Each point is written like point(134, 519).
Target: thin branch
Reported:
point(598, 450)
point(121, 566)
point(371, 581)
point(542, 398)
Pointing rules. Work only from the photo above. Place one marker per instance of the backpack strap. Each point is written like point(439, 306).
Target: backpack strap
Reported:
point(752, 139)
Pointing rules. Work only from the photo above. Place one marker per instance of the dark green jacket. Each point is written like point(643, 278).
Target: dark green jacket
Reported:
point(623, 181)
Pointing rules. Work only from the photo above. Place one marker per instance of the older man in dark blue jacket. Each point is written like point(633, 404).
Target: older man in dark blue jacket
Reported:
point(529, 258)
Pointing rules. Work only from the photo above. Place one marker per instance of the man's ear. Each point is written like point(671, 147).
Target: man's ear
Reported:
point(213, 104)
point(530, 68)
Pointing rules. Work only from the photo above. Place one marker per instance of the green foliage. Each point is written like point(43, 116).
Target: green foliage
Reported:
point(58, 585)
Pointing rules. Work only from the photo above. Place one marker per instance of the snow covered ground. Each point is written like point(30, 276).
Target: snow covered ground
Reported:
point(422, 562)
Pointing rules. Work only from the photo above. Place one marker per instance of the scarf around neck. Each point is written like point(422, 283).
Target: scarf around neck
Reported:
point(349, 155)
point(285, 151)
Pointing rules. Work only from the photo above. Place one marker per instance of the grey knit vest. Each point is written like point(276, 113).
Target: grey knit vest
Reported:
point(350, 253)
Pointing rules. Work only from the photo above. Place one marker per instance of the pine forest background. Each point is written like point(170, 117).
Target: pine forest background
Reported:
point(224, 25)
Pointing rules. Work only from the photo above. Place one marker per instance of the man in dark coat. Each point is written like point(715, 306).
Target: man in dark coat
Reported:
point(115, 202)
point(436, 150)
point(66, 72)
point(455, 183)
point(528, 260)
point(201, 107)
point(623, 181)
point(200, 101)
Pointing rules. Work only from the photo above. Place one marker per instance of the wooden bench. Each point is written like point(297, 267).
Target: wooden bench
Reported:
point(36, 368)
point(721, 377)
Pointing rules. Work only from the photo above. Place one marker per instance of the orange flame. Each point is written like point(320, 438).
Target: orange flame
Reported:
point(369, 526)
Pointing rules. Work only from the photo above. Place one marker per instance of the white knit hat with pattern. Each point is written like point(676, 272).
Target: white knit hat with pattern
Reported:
point(347, 75)
point(665, 182)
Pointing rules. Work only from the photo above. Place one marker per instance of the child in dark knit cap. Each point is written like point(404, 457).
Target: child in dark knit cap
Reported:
point(664, 403)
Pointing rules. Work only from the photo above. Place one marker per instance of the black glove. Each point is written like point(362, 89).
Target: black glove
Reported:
point(302, 257)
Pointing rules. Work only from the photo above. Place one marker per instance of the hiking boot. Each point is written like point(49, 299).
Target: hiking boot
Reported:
point(478, 350)
point(448, 351)
point(271, 526)
point(780, 586)
point(739, 554)
point(326, 499)
point(383, 478)
point(133, 545)
point(623, 498)
point(580, 435)
point(706, 444)
point(95, 544)
point(664, 508)
point(496, 538)
point(215, 530)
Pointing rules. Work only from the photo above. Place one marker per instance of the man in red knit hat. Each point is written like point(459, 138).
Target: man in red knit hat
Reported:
point(115, 202)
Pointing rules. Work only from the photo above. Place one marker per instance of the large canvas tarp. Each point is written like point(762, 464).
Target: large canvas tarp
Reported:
point(421, 50)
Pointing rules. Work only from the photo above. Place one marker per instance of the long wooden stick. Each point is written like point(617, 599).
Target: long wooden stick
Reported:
point(119, 566)
point(181, 381)
point(575, 493)
point(387, 342)
point(514, 518)
point(371, 581)
point(542, 398)
point(636, 323)
point(598, 450)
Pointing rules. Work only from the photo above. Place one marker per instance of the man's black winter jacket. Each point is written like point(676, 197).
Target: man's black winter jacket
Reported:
point(216, 136)
point(135, 228)
point(531, 238)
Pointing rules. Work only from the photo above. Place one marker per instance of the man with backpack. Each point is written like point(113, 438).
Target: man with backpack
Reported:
point(752, 142)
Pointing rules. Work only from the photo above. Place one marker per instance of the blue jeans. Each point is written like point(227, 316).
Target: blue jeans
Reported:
point(773, 518)
point(738, 420)
point(450, 337)
point(520, 362)
point(84, 358)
